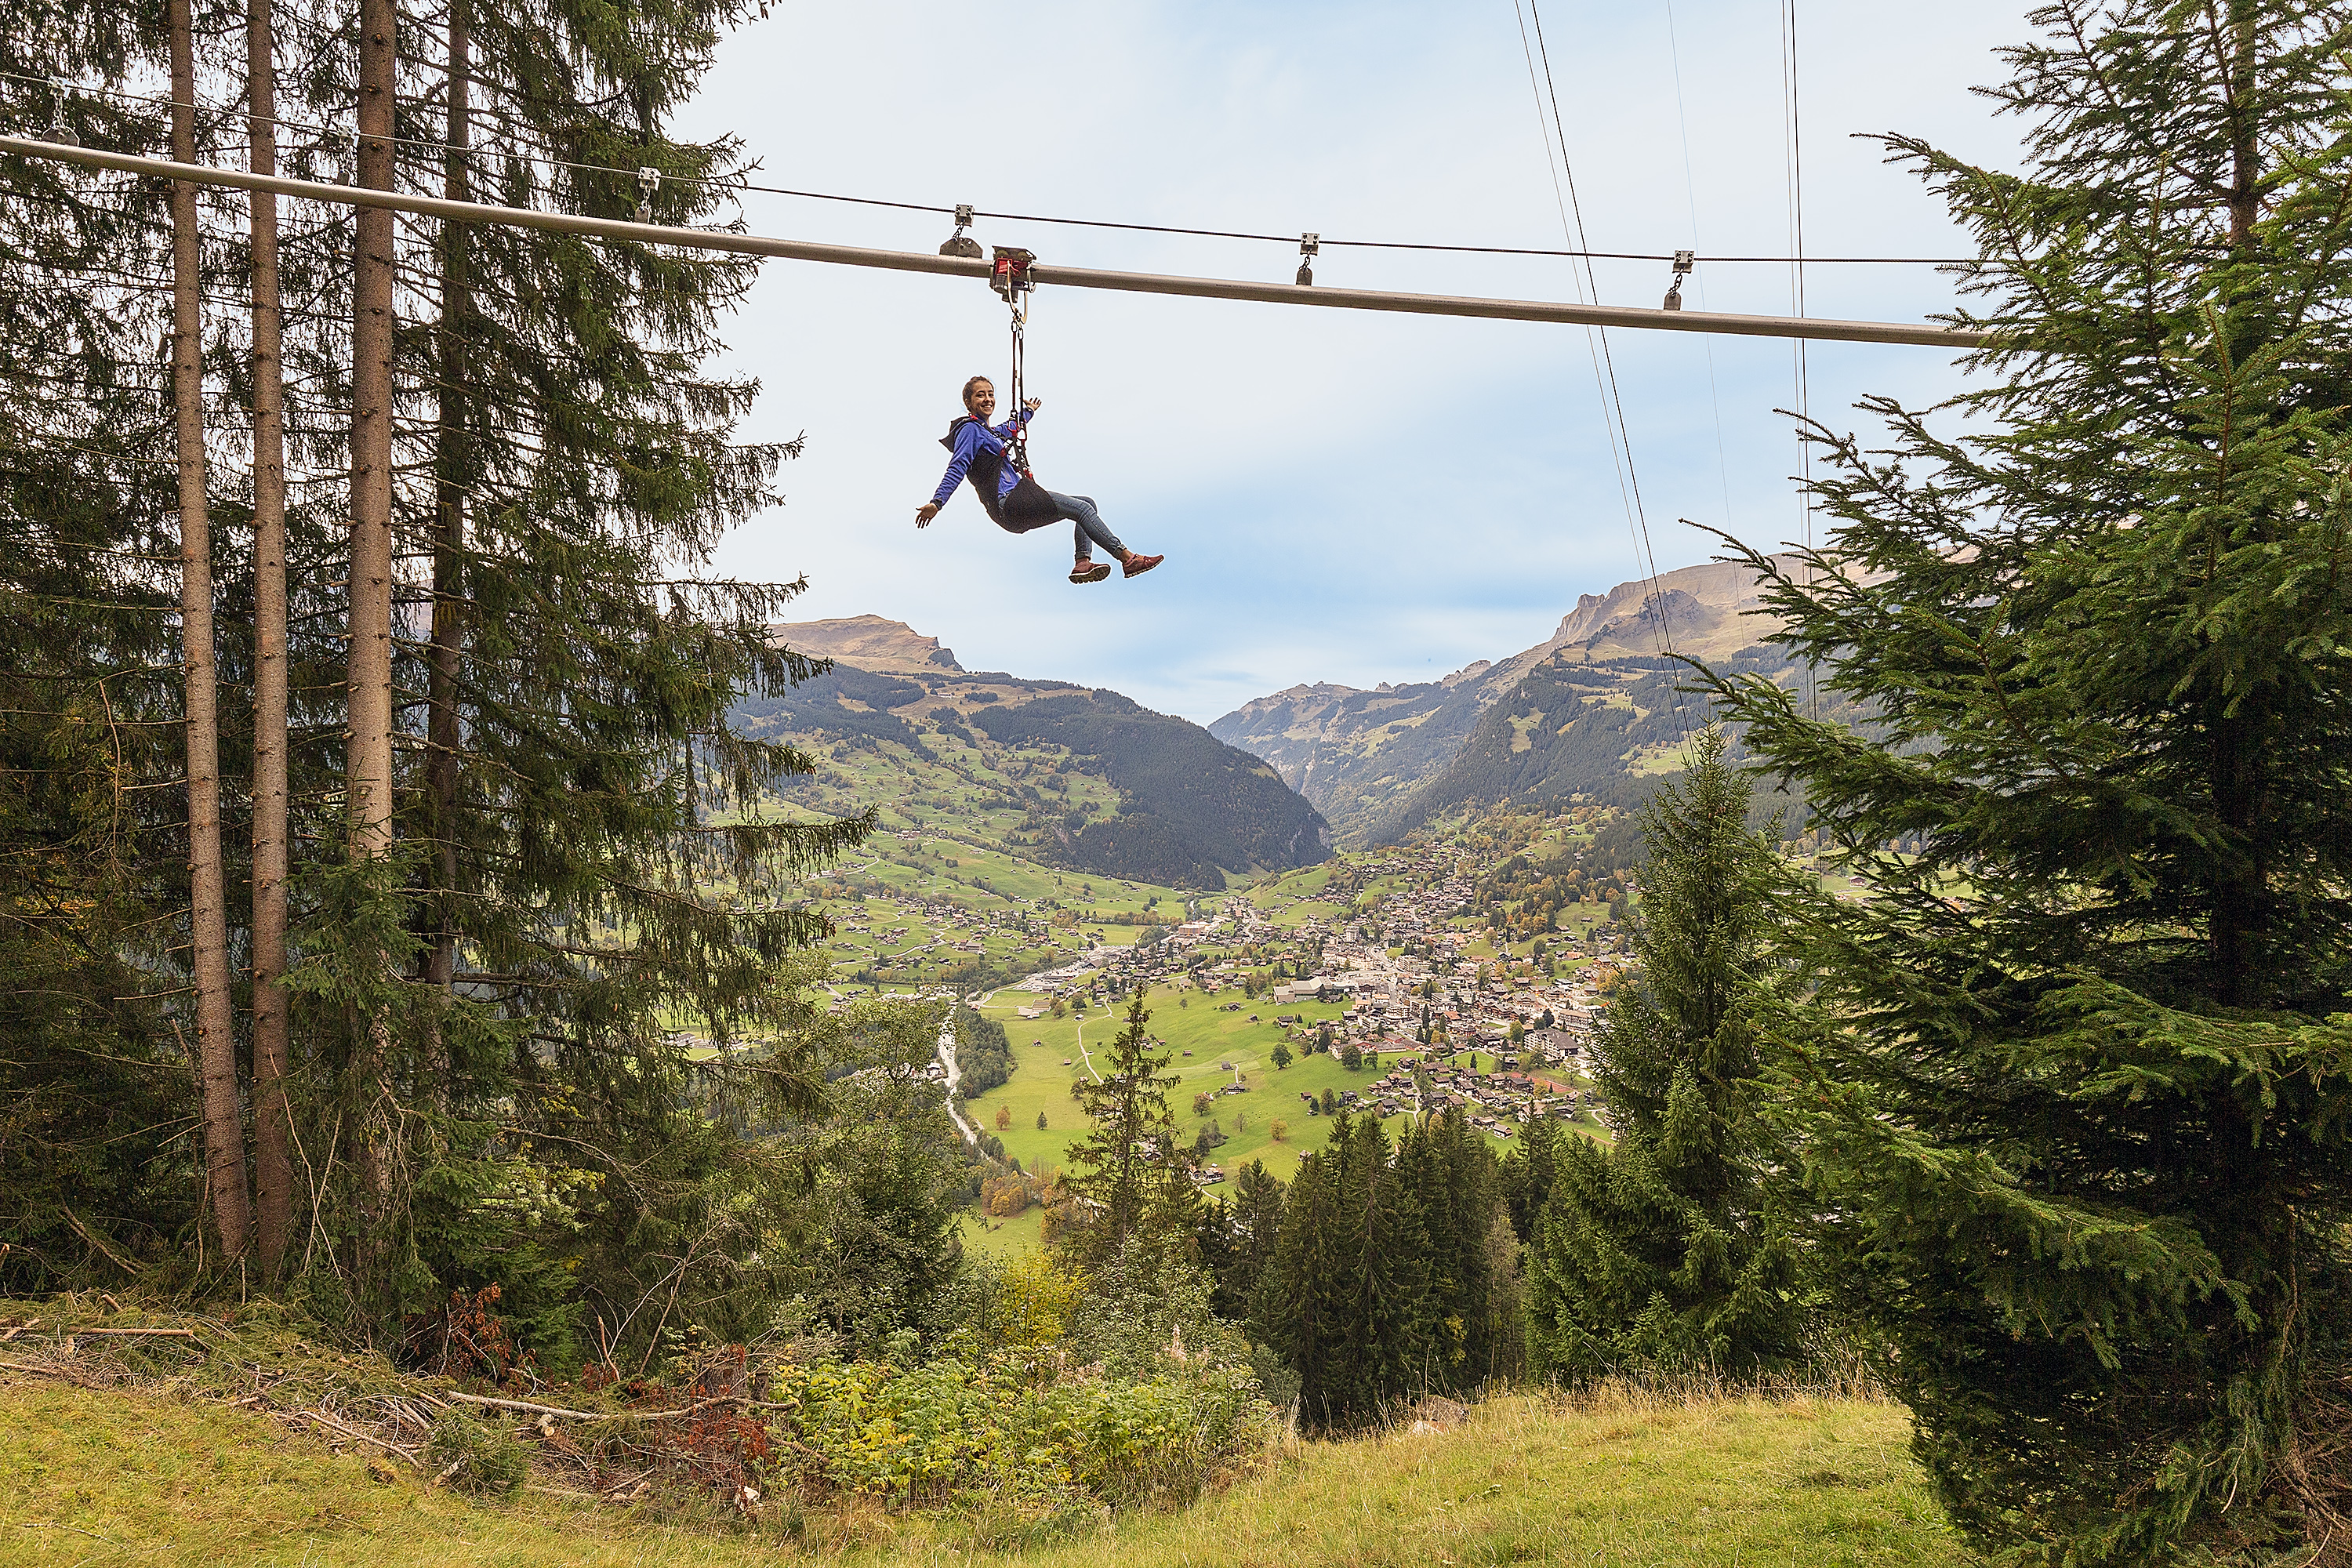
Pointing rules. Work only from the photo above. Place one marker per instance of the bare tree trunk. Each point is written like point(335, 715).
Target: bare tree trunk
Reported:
point(368, 674)
point(208, 886)
point(273, 1158)
point(450, 467)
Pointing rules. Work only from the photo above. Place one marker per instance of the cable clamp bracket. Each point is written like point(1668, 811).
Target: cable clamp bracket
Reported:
point(1685, 261)
point(961, 244)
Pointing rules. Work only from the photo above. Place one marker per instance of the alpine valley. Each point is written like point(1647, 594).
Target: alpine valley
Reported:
point(1043, 778)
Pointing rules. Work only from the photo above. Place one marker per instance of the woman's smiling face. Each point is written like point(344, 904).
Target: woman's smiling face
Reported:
point(981, 401)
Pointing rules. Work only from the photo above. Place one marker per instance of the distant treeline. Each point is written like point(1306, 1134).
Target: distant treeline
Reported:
point(984, 1052)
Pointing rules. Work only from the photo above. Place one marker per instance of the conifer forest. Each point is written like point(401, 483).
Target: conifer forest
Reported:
point(417, 909)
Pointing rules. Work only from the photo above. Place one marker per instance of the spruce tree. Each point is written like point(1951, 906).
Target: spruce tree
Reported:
point(1129, 1185)
point(98, 1175)
point(1237, 1241)
point(1659, 1251)
point(1346, 1299)
point(2073, 1087)
point(1456, 1183)
point(576, 810)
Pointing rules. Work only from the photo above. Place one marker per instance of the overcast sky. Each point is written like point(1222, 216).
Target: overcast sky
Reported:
point(1341, 496)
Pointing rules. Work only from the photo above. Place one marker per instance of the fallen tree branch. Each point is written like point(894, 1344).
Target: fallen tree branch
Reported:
point(336, 1426)
point(529, 1408)
point(146, 1333)
point(41, 1371)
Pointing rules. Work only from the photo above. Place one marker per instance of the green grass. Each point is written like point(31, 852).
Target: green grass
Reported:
point(91, 1479)
point(1003, 1239)
point(1040, 1081)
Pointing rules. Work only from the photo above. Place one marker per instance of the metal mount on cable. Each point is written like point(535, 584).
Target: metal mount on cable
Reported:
point(648, 182)
point(60, 130)
point(1310, 246)
point(1683, 261)
point(959, 243)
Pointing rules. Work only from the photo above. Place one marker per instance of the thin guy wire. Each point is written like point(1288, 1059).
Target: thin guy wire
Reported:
point(1793, 140)
point(1690, 195)
point(736, 185)
point(1662, 632)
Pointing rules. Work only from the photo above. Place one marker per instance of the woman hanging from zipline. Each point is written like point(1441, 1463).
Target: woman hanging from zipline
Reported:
point(991, 458)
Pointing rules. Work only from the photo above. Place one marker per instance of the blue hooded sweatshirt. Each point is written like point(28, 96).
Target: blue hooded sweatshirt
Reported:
point(970, 438)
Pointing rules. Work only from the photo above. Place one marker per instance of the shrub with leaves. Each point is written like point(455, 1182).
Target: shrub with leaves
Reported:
point(955, 1430)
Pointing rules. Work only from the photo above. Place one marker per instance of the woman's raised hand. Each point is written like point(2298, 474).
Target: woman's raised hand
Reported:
point(1033, 404)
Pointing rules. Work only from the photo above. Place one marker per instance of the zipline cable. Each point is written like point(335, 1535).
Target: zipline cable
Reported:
point(1559, 199)
point(736, 185)
point(1921, 334)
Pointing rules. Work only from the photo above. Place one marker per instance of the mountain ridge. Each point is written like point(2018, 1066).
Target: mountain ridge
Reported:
point(1100, 783)
point(1361, 755)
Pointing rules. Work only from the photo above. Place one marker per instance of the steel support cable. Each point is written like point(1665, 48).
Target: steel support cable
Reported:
point(1793, 129)
point(1922, 334)
point(729, 183)
point(1661, 632)
point(1690, 196)
point(1559, 200)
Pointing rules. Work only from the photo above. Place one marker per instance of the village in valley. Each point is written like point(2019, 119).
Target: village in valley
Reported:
point(1463, 972)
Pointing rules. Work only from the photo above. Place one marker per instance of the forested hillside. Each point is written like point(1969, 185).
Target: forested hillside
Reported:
point(1105, 785)
point(1602, 734)
point(1179, 787)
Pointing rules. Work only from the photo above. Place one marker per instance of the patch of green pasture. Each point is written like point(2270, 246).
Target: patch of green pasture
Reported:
point(1201, 1024)
point(1292, 916)
point(1003, 1239)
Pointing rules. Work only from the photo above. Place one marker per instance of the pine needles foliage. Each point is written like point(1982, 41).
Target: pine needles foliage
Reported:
point(2073, 1085)
point(1129, 1187)
point(1663, 1252)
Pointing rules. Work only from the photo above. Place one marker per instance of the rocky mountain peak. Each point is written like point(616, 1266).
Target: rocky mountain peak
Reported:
point(869, 642)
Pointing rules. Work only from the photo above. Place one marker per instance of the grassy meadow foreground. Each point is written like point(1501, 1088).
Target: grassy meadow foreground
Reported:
point(96, 1478)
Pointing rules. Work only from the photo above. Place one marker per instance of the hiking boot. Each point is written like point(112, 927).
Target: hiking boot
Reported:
point(1137, 565)
point(1090, 571)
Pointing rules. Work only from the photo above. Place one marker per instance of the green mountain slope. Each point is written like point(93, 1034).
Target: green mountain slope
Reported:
point(1379, 762)
point(1058, 775)
point(1595, 733)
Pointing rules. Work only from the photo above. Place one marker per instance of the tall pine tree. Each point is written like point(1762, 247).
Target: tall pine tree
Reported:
point(1130, 1188)
point(1345, 1300)
point(1659, 1251)
point(2074, 1089)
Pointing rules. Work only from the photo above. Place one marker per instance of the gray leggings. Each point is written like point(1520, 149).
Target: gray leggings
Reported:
point(1087, 528)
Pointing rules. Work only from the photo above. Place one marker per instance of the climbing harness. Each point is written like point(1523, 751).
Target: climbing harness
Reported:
point(1310, 246)
point(1010, 275)
point(1683, 261)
